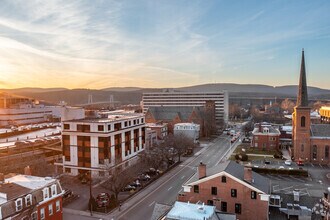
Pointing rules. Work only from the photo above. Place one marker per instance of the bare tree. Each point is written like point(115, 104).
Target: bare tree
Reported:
point(119, 178)
point(180, 143)
point(287, 105)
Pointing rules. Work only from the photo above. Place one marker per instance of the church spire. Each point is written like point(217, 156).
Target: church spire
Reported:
point(302, 100)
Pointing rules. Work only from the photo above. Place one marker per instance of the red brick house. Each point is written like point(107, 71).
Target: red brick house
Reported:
point(231, 188)
point(25, 197)
point(266, 137)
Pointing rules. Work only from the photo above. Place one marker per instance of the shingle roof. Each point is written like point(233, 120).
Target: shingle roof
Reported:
point(320, 130)
point(160, 211)
point(169, 112)
point(260, 182)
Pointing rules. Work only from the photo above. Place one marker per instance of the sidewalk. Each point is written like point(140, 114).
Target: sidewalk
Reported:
point(115, 213)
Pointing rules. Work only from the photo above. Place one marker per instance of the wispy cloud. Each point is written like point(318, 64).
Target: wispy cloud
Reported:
point(149, 43)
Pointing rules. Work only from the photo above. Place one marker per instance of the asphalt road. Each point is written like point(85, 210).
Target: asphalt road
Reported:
point(166, 189)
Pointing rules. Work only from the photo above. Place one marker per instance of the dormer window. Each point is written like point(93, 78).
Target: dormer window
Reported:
point(53, 190)
point(19, 204)
point(45, 193)
point(28, 200)
point(266, 130)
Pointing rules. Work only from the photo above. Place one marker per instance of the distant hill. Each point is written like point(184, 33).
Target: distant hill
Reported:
point(290, 90)
point(31, 90)
point(133, 95)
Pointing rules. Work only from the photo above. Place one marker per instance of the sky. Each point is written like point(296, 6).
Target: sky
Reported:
point(162, 43)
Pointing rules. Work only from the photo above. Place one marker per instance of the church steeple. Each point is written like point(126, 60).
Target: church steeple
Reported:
point(302, 100)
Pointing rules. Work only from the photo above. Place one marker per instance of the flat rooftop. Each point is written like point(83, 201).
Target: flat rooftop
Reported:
point(188, 211)
point(108, 118)
point(30, 182)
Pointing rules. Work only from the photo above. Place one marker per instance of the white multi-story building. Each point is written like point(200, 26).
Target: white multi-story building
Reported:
point(97, 144)
point(170, 98)
point(190, 130)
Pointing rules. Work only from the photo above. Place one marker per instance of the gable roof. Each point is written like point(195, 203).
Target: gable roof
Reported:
point(235, 170)
point(320, 130)
point(168, 113)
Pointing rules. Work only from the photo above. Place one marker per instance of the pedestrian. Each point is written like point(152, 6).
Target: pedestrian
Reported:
point(119, 206)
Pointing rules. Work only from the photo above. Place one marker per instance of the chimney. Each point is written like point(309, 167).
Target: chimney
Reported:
point(248, 174)
point(2, 178)
point(27, 170)
point(201, 170)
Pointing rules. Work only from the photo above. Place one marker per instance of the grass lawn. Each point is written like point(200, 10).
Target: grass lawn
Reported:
point(252, 150)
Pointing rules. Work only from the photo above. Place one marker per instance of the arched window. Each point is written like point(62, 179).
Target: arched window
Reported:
point(302, 121)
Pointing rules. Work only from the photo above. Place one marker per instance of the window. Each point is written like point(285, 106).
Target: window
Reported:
point(53, 190)
point(50, 209)
point(66, 126)
point(302, 148)
point(233, 193)
point(100, 128)
point(28, 200)
point(224, 206)
point(272, 138)
point(302, 121)
point(326, 152)
point(125, 123)
point(58, 206)
point(256, 138)
point(42, 213)
point(142, 120)
point(214, 190)
point(109, 127)
point(253, 195)
point(255, 144)
point(238, 208)
point(34, 216)
point(210, 202)
point(45, 193)
point(314, 152)
point(223, 179)
point(196, 189)
point(19, 204)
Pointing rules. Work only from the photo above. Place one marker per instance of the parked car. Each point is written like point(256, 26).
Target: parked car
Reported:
point(129, 188)
point(143, 177)
point(246, 140)
point(300, 163)
point(103, 200)
point(288, 162)
point(267, 162)
point(136, 184)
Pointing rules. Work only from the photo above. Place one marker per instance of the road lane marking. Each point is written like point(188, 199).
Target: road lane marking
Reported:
point(152, 203)
point(169, 188)
point(183, 177)
point(166, 181)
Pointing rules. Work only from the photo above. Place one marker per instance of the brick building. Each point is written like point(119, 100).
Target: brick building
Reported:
point(96, 144)
point(202, 115)
point(231, 188)
point(265, 137)
point(311, 142)
point(24, 197)
point(160, 128)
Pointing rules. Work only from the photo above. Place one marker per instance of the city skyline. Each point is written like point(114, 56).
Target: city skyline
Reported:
point(80, 44)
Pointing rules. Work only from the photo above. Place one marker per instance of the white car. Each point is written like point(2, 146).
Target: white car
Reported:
point(288, 162)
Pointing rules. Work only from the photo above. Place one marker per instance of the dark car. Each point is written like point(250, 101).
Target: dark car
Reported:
point(136, 184)
point(143, 177)
point(103, 200)
point(129, 188)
